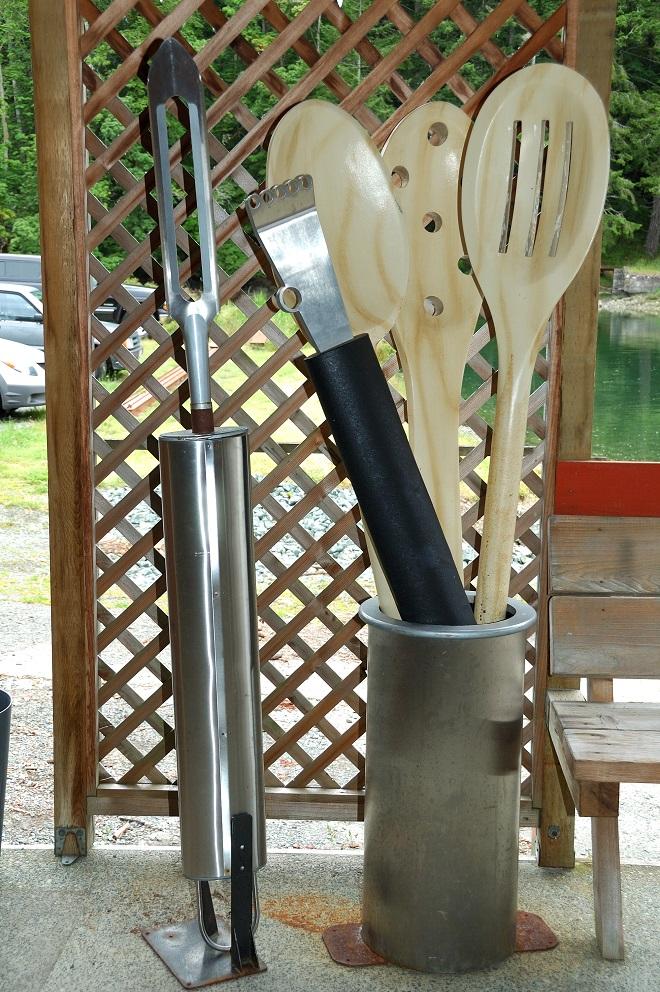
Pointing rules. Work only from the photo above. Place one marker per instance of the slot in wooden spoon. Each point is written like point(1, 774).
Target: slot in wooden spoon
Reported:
point(534, 184)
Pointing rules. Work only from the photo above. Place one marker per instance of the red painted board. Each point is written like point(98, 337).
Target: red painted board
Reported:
point(608, 489)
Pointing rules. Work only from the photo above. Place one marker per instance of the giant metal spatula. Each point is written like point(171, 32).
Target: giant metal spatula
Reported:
point(355, 397)
point(173, 73)
point(534, 185)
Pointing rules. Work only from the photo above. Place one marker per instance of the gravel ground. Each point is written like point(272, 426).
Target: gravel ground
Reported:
point(25, 674)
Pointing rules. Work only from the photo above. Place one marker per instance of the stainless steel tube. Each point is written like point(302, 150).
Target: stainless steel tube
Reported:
point(444, 722)
point(213, 628)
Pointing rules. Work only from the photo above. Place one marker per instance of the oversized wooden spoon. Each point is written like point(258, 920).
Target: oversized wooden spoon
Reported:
point(361, 224)
point(534, 184)
point(363, 229)
point(437, 319)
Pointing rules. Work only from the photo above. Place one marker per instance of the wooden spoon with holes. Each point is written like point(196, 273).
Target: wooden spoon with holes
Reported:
point(442, 302)
point(534, 184)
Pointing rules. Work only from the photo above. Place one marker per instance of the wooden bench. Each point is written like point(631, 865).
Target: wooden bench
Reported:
point(604, 585)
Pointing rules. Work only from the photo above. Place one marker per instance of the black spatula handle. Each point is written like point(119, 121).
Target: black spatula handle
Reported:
point(394, 501)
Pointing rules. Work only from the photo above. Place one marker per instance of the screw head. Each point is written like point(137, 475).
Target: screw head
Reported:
point(554, 831)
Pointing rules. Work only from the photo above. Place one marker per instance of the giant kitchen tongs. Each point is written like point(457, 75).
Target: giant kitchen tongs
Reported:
point(173, 73)
point(207, 525)
point(357, 402)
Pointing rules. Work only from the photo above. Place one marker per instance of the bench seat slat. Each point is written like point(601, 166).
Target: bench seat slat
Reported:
point(612, 742)
point(606, 716)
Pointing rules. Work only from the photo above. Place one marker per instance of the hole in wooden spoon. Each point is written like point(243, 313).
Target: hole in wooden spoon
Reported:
point(563, 193)
point(432, 222)
point(437, 133)
point(511, 187)
point(464, 265)
point(433, 306)
point(537, 201)
point(400, 176)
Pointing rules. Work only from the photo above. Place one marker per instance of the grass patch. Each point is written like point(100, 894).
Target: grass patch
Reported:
point(23, 467)
point(18, 588)
point(633, 257)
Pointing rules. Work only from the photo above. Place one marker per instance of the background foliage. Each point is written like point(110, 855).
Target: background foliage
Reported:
point(630, 220)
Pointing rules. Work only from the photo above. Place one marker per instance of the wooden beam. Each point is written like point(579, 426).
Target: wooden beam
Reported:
point(281, 804)
point(54, 30)
point(589, 48)
point(608, 489)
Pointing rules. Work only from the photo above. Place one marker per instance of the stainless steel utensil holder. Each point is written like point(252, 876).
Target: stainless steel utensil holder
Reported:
point(207, 523)
point(444, 727)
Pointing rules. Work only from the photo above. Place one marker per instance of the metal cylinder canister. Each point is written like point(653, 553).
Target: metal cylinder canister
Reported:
point(207, 523)
point(444, 734)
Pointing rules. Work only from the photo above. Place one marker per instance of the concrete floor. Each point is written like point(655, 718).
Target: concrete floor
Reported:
point(77, 929)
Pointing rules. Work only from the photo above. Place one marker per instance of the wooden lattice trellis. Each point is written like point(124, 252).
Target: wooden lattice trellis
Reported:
point(311, 578)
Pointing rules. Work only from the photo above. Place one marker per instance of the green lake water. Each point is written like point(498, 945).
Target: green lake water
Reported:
point(627, 401)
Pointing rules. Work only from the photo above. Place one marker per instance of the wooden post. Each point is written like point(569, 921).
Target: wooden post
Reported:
point(589, 48)
point(54, 26)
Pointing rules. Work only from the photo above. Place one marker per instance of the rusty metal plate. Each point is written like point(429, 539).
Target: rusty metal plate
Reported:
point(345, 946)
point(533, 933)
point(192, 963)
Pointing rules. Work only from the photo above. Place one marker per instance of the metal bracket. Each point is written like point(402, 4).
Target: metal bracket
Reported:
point(204, 951)
point(61, 834)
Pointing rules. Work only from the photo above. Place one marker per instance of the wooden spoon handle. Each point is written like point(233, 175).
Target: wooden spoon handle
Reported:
point(503, 489)
point(386, 600)
point(434, 439)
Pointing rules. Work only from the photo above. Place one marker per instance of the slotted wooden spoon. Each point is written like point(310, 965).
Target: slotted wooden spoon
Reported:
point(534, 184)
point(442, 302)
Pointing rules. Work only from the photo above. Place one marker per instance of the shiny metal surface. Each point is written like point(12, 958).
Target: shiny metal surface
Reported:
point(173, 73)
point(444, 723)
point(190, 960)
point(288, 229)
point(207, 521)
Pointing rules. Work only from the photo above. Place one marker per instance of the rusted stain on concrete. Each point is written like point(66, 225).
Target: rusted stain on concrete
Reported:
point(313, 911)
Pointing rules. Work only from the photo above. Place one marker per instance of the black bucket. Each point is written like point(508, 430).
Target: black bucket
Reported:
point(5, 721)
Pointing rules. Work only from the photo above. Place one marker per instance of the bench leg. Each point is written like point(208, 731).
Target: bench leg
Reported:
point(607, 886)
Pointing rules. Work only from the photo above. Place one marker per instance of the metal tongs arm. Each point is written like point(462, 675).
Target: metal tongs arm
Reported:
point(173, 73)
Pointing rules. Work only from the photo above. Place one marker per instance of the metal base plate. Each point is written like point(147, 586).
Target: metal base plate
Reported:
point(345, 945)
point(190, 960)
point(533, 933)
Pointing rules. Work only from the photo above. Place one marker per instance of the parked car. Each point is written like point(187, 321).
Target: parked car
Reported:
point(22, 380)
point(26, 271)
point(110, 309)
point(22, 320)
point(23, 269)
